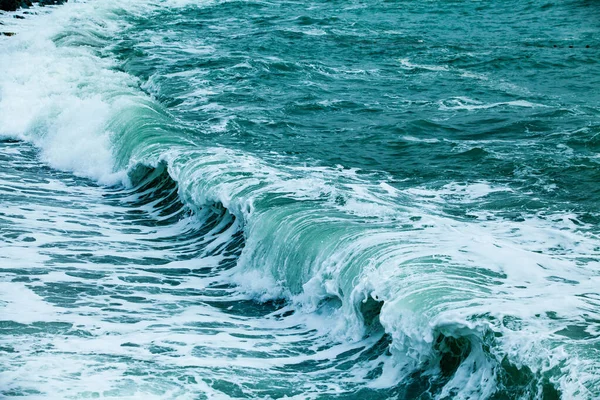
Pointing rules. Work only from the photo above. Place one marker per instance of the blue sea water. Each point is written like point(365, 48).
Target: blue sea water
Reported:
point(353, 199)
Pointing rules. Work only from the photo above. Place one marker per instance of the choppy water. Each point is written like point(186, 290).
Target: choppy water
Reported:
point(310, 200)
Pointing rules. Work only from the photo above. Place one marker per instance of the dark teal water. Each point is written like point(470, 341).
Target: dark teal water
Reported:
point(354, 84)
point(357, 199)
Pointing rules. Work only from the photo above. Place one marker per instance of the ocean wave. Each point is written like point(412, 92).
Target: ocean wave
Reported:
point(465, 306)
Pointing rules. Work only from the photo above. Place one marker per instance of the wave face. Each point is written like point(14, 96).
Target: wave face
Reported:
point(300, 200)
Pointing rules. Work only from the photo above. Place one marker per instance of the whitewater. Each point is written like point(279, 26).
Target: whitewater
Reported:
point(305, 200)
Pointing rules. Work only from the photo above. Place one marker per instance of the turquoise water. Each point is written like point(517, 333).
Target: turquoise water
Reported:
point(308, 200)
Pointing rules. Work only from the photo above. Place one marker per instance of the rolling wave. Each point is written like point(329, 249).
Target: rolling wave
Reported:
point(410, 300)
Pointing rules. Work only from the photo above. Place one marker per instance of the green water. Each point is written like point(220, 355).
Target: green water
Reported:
point(342, 199)
point(430, 93)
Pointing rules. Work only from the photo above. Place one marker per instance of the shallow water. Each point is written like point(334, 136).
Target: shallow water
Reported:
point(314, 200)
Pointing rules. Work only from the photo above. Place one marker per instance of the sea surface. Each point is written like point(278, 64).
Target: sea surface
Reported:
point(344, 199)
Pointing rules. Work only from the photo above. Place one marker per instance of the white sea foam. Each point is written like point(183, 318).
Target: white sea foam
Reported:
point(465, 103)
point(60, 98)
point(405, 63)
